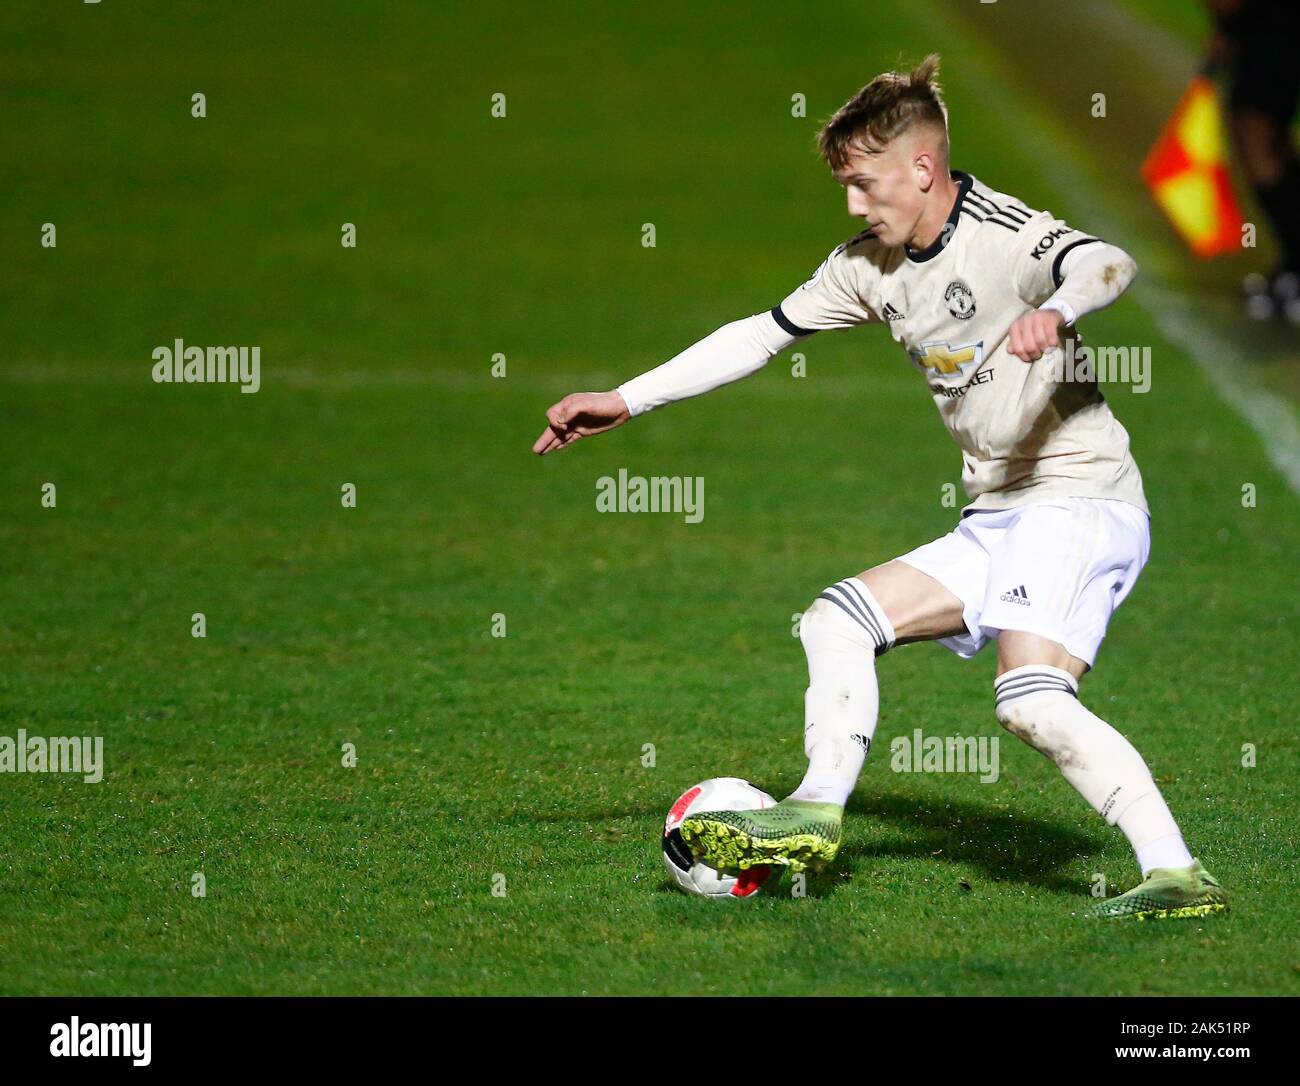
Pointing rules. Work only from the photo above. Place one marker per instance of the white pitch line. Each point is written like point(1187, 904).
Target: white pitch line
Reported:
point(552, 383)
point(1228, 369)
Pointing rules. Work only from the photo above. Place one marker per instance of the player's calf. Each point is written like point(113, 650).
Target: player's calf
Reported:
point(1040, 705)
point(843, 632)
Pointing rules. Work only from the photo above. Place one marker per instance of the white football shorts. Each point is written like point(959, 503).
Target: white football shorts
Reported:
point(1057, 568)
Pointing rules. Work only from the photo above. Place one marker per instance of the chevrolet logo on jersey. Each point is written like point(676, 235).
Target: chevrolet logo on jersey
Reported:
point(948, 362)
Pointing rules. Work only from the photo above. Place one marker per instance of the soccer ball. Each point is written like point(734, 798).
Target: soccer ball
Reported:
point(718, 794)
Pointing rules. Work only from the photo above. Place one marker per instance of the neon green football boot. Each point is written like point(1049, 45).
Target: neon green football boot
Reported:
point(795, 833)
point(1167, 893)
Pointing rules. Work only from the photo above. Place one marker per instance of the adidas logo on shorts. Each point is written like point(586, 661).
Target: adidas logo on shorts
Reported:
point(1016, 595)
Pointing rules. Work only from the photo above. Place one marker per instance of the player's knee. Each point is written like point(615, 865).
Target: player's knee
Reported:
point(846, 611)
point(814, 615)
point(1036, 704)
point(1043, 721)
point(822, 623)
point(1025, 720)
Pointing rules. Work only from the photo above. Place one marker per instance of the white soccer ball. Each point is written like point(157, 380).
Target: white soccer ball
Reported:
point(718, 794)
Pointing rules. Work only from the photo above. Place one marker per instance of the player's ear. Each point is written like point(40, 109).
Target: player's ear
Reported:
point(923, 169)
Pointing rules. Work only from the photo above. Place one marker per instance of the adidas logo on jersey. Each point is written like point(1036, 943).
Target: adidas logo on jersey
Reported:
point(1016, 595)
point(892, 314)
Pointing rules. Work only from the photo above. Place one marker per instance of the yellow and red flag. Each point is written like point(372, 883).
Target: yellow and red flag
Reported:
point(1187, 173)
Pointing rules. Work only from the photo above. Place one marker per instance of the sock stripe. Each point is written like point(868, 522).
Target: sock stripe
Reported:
point(1024, 681)
point(1031, 672)
point(857, 589)
point(860, 602)
point(854, 604)
point(875, 637)
point(1042, 689)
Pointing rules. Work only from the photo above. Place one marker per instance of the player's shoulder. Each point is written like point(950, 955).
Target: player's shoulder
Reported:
point(863, 244)
point(864, 252)
point(1000, 214)
point(1007, 228)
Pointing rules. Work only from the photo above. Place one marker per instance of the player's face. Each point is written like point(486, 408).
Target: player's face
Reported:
point(883, 190)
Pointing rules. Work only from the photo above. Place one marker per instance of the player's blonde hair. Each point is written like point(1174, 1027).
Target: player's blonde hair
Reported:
point(884, 109)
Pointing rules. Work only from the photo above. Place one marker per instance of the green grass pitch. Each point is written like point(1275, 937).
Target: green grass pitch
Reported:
point(516, 761)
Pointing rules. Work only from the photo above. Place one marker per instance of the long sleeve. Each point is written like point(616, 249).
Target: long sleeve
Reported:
point(1093, 277)
point(734, 351)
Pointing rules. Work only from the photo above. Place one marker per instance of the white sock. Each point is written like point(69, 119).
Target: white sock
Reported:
point(843, 632)
point(1040, 705)
point(1153, 833)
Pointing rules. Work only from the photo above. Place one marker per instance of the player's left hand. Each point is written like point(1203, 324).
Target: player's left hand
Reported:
point(1036, 333)
point(581, 414)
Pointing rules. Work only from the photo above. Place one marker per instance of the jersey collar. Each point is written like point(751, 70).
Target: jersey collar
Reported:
point(964, 182)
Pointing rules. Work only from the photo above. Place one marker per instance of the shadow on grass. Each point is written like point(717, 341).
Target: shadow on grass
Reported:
point(1005, 846)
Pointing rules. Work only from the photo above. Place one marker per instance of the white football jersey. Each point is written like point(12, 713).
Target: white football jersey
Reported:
point(1025, 435)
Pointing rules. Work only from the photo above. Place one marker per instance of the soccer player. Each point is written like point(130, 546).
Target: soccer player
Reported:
point(983, 294)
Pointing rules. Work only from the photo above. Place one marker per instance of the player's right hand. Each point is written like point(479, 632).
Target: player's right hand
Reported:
point(580, 414)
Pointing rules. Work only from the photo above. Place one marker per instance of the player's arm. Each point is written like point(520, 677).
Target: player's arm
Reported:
point(734, 351)
point(1078, 274)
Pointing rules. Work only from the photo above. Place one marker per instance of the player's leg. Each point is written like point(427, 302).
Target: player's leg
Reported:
point(1037, 692)
point(843, 631)
point(1038, 702)
point(1049, 627)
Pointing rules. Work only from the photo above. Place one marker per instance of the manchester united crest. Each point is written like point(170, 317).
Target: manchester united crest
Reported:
point(961, 302)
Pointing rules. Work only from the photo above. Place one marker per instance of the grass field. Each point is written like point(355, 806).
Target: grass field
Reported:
point(521, 756)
